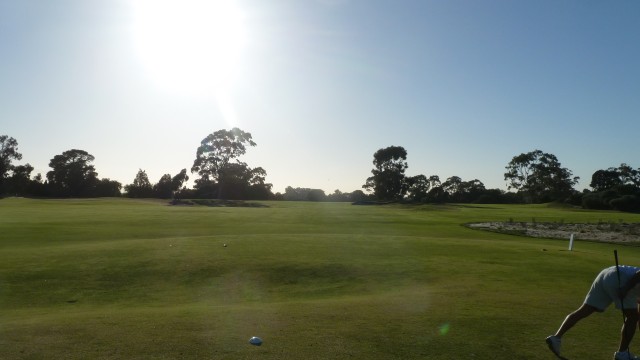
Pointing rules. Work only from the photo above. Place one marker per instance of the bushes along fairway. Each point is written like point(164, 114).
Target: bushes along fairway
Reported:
point(117, 278)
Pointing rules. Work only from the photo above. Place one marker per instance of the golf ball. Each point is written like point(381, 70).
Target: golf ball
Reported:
point(255, 341)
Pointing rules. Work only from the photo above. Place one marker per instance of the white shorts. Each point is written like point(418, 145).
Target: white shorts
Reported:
point(604, 291)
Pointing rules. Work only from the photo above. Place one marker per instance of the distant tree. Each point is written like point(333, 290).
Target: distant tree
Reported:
point(38, 187)
point(19, 183)
point(304, 194)
point(628, 203)
point(141, 187)
point(540, 177)
point(629, 175)
point(388, 181)
point(8, 152)
point(437, 195)
point(164, 188)
point(434, 181)
point(108, 188)
point(291, 194)
point(217, 161)
point(470, 191)
point(338, 196)
point(605, 179)
point(358, 195)
point(259, 189)
point(205, 188)
point(454, 189)
point(623, 175)
point(615, 189)
point(177, 182)
point(598, 200)
point(233, 181)
point(418, 188)
point(307, 194)
point(452, 186)
point(237, 181)
point(168, 186)
point(179, 179)
point(612, 199)
point(72, 174)
point(218, 150)
point(491, 196)
point(316, 195)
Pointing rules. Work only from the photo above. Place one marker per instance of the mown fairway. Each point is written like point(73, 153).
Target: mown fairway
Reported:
point(116, 278)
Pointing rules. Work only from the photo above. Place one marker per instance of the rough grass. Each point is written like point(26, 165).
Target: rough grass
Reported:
point(117, 278)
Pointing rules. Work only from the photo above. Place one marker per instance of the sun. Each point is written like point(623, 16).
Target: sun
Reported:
point(189, 46)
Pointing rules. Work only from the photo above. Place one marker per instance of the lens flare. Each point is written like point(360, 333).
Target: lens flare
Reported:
point(443, 329)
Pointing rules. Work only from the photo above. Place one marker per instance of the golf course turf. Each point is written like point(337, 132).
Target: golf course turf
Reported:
point(140, 279)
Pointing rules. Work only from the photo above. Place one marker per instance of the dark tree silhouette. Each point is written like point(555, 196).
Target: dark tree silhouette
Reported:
point(8, 152)
point(388, 181)
point(217, 162)
point(141, 187)
point(540, 177)
point(72, 174)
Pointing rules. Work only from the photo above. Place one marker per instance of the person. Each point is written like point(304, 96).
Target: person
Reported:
point(608, 288)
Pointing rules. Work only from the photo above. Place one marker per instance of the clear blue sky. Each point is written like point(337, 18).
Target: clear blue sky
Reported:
point(321, 85)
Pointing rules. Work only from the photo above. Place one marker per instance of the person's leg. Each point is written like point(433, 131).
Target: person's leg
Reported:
point(554, 341)
point(597, 299)
point(572, 319)
point(628, 328)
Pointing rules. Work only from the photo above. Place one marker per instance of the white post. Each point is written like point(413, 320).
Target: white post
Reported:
point(571, 243)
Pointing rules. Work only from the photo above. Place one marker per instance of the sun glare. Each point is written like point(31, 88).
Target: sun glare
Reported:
point(189, 46)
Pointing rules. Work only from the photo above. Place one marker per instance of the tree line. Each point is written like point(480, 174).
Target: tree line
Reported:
point(532, 177)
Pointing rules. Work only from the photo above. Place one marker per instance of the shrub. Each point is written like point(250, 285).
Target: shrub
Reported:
point(629, 203)
point(594, 201)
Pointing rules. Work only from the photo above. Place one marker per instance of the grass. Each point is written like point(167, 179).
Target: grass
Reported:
point(119, 278)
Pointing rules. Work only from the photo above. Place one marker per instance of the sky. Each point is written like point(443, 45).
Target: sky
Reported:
point(321, 85)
